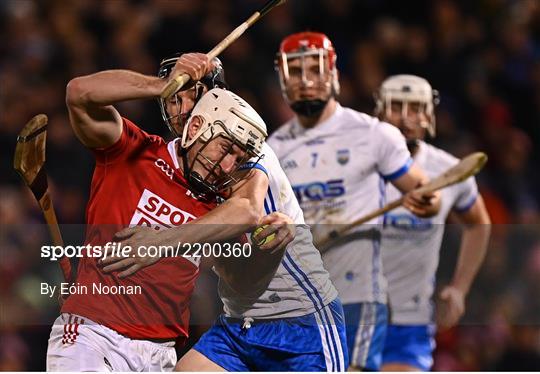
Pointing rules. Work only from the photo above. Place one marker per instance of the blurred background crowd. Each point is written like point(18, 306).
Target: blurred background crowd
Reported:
point(483, 56)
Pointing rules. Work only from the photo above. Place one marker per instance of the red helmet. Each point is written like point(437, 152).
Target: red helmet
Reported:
point(303, 41)
point(301, 46)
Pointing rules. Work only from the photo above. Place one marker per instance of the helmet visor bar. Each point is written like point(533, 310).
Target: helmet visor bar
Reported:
point(305, 75)
point(411, 106)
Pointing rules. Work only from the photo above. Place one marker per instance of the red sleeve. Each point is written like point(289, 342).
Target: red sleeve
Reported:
point(130, 141)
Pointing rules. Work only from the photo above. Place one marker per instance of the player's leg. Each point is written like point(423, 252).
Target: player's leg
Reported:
point(78, 344)
point(73, 347)
point(366, 331)
point(196, 361)
point(409, 348)
point(217, 350)
point(314, 342)
point(156, 357)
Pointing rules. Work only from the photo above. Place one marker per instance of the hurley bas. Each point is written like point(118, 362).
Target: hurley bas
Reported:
point(95, 289)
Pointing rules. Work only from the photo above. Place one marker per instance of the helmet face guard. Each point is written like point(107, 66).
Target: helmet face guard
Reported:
point(408, 89)
point(217, 180)
point(176, 121)
point(304, 46)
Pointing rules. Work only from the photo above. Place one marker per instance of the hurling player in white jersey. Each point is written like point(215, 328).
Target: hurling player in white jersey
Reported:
point(338, 161)
point(411, 244)
point(290, 319)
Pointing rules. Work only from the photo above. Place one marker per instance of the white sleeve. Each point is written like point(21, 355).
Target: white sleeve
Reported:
point(273, 143)
point(390, 149)
point(467, 195)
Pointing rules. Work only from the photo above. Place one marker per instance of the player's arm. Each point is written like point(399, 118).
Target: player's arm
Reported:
point(242, 212)
point(474, 243)
point(90, 98)
point(90, 101)
point(239, 214)
point(422, 205)
point(395, 164)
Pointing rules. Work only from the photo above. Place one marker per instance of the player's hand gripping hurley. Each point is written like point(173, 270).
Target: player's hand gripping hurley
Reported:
point(467, 167)
point(176, 83)
point(29, 162)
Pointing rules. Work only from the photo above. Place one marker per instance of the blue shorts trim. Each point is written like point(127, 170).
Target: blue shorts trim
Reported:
point(412, 345)
point(290, 344)
point(366, 332)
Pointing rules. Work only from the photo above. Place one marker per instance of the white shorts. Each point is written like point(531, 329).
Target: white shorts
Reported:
point(79, 344)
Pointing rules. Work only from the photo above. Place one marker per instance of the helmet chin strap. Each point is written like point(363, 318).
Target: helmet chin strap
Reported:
point(197, 183)
point(312, 108)
point(309, 108)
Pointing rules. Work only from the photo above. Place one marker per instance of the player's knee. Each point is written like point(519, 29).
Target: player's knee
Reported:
point(195, 361)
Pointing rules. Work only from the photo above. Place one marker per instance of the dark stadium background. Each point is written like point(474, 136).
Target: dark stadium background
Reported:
point(482, 55)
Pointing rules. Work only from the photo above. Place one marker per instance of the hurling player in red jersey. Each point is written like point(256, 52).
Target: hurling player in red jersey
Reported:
point(132, 323)
point(246, 200)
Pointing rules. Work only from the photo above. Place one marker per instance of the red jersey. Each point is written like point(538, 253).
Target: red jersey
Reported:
point(136, 181)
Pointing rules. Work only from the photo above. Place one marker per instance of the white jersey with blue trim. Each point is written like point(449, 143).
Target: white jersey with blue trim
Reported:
point(338, 170)
point(411, 245)
point(301, 285)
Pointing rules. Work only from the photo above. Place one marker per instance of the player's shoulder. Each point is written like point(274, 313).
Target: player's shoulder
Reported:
point(362, 126)
point(436, 161)
point(268, 152)
point(270, 161)
point(352, 119)
point(132, 143)
point(356, 119)
point(135, 131)
point(438, 156)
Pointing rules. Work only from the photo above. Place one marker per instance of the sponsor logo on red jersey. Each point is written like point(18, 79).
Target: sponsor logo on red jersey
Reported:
point(154, 211)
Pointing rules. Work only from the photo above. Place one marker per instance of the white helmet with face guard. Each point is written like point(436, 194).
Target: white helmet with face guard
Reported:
point(223, 114)
point(408, 89)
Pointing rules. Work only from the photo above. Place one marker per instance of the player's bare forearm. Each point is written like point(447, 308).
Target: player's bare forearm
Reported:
point(413, 178)
point(239, 214)
point(474, 243)
point(90, 101)
point(225, 223)
point(230, 220)
point(112, 86)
